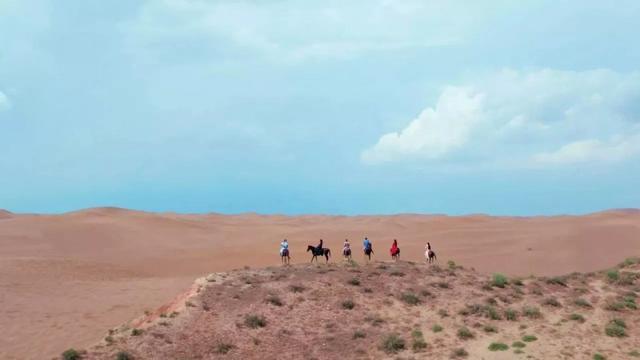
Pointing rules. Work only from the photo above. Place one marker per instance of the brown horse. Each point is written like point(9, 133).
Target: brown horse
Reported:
point(430, 255)
point(284, 257)
point(319, 252)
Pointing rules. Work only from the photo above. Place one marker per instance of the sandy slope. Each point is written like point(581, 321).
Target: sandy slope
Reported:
point(65, 279)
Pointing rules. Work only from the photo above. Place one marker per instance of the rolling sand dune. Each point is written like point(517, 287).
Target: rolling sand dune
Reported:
point(66, 279)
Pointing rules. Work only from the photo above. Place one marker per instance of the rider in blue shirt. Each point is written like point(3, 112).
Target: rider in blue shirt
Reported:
point(366, 243)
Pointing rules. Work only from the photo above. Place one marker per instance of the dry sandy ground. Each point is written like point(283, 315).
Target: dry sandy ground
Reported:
point(349, 311)
point(66, 279)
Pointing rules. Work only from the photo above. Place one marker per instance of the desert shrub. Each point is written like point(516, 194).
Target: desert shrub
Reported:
point(410, 298)
point(511, 315)
point(459, 353)
point(614, 329)
point(274, 300)
point(359, 334)
point(425, 293)
point(598, 356)
point(367, 290)
point(451, 264)
point(418, 343)
point(529, 338)
point(443, 313)
point(374, 319)
point(518, 344)
point(629, 261)
point(297, 288)
point(518, 351)
point(123, 355)
point(354, 282)
point(551, 301)
point(224, 348)
point(630, 302)
point(392, 344)
point(492, 313)
point(614, 305)
point(634, 353)
point(397, 273)
point(577, 317)
point(582, 302)
point(464, 333)
point(436, 328)
point(174, 314)
point(557, 280)
point(441, 285)
point(255, 321)
point(136, 332)
point(496, 346)
point(518, 282)
point(71, 354)
point(348, 304)
point(613, 276)
point(531, 312)
point(499, 280)
point(487, 286)
point(491, 301)
point(490, 329)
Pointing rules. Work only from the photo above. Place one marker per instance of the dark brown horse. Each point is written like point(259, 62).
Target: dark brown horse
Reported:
point(284, 257)
point(319, 252)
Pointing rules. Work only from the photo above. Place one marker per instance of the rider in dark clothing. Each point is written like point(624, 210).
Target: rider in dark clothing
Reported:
point(319, 247)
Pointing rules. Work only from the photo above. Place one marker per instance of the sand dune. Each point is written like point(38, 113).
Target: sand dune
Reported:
point(65, 279)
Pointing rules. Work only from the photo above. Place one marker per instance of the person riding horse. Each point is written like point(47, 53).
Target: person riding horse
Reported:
point(284, 251)
point(368, 247)
point(346, 249)
point(395, 250)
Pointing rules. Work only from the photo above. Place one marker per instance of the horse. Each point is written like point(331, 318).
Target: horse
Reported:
point(322, 252)
point(430, 255)
point(367, 252)
point(284, 257)
point(396, 256)
point(346, 253)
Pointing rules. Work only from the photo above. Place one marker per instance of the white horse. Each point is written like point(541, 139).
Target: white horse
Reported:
point(429, 254)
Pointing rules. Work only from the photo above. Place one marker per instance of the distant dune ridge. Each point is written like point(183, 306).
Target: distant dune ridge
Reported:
point(67, 278)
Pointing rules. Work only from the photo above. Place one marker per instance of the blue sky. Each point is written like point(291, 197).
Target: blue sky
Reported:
point(359, 107)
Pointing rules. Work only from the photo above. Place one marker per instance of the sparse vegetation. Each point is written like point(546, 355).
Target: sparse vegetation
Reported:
point(518, 344)
point(634, 353)
point(136, 332)
point(459, 353)
point(531, 312)
point(557, 280)
point(396, 273)
point(464, 333)
point(71, 354)
point(436, 328)
point(497, 346)
point(443, 313)
point(529, 338)
point(616, 328)
point(577, 317)
point(274, 300)
point(511, 314)
point(255, 321)
point(354, 282)
point(451, 264)
point(582, 303)
point(296, 288)
point(551, 301)
point(499, 280)
point(410, 298)
point(348, 304)
point(224, 348)
point(359, 334)
point(598, 356)
point(418, 343)
point(123, 355)
point(490, 329)
point(392, 344)
point(613, 276)
point(374, 319)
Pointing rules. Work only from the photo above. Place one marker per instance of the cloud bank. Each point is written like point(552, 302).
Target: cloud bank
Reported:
point(535, 118)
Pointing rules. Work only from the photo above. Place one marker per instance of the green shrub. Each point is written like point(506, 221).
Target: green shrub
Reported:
point(614, 329)
point(597, 356)
point(557, 280)
point(511, 315)
point(354, 282)
point(443, 313)
point(634, 353)
point(464, 333)
point(529, 338)
point(582, 302)
point(459, 353)
point(418, 343)
point(436, 328)
point(71, 354)
point(577, 317)
point(348, 304)
point(392, 344)
point(496, 346)
point(359, 334)
point(518, 344)
point(410, 298)
point(613, 276)
point(255, 321)
point(531, 312)
point(499, 280)
point(490, 329)
point(224, 348)
point(123, 355)
point(136, 332)
point(614, 305)
point(551, 301)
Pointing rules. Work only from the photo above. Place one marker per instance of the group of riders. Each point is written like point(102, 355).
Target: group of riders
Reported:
point(367, 248)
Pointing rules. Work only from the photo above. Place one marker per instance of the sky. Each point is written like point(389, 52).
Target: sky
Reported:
point(297, 107)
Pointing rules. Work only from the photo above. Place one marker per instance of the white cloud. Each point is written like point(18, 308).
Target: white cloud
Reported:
point(4, 102)
point(542, 117)
point(435, 132)
point(285, 31)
